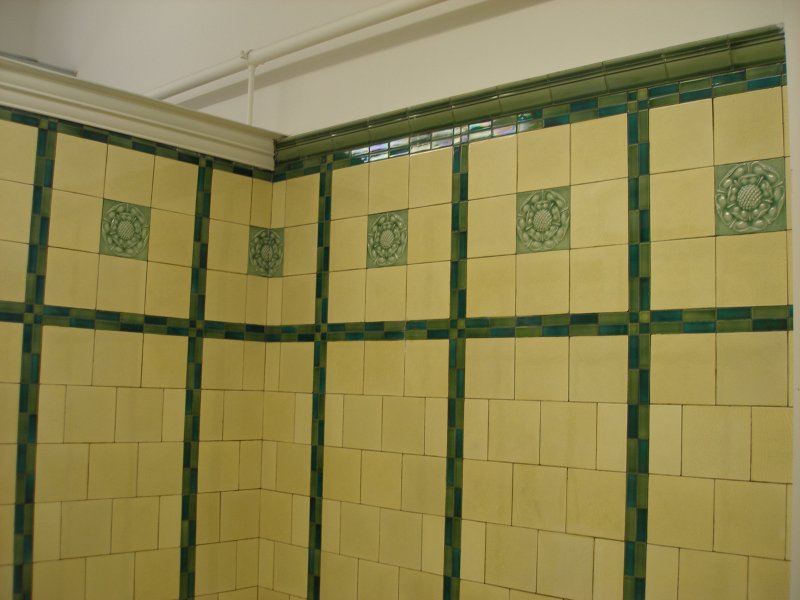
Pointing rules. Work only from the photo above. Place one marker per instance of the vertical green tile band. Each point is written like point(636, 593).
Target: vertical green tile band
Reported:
point(25, 485)
point(635, 553)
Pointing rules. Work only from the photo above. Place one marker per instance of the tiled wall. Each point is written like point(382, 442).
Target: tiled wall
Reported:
point(548, 363)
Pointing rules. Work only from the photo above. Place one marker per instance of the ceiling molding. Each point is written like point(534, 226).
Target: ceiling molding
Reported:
point(37, 90)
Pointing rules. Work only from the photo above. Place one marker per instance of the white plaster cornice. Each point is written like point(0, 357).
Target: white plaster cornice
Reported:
point(53, 94)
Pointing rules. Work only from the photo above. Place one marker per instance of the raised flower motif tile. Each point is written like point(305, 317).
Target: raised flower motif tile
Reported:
point(125, 230)
point(750, 197)
point(265, 252)
point(387, 239)
point(543, 218)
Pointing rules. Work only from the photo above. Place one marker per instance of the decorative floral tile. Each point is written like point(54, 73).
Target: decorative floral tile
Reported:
point(750, 197)
point(125, 230)
point(265, 252)
point(387, 239)
point(543, 218)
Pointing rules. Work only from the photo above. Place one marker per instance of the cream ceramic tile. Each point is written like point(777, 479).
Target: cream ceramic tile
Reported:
point(71, 276)
point(350, 189)
point(533, 268)
point(261, 203)
point(752, 368)
point(401, 539)
point(157, 574)
point(381, 479)
point(767, 579)
point(274, 301)
point(160, 469)
point(174, 185)
point(681, 512)
point(681, 136)
point(599, 279)
point(63, 579)
point(748, 126)
point(424, 484)
point(246, 570)
point(514, 431)
point(8, 455)
point(751, 269)
point(487, 491)
point(432, 546)
point(230, 197)
point(599, 214)
point(428, 291)
point(403, 427)
point(172, 425)
point(612, 445)
point(470, 590)
point(6, 534)
point(543, 158)
point(426, 368)
point(139, 414)
point(383, 367)
point(171, 237)
point(117, 358)
point(716, 442)
point(338, 577)
point(490, 368)
point(683, 369)
point(491, 286)
point(302, 200)
point(276, 523)
point(361, 422)
point(169, 521)
point(109, 577)
point(89, 414)
point(67, 355)
point(334, 419)
point(493, 167)
point(772, 445)
point(134, 524)
point(511, 557)
point(750, 518)
point(279, 416)
point(300, 250)
point(15, 204)
point(242, 416)
point(129, 175)
point(85, 528)
point(662, 573)
point(11, 347)
point(683, 274)
point(250, 464)
point(785, 94)
point(476, 429)
point(564, 565)
point(681, 204)
point(473, 550)
point(712, 575)
point(540, 497)
point(239, 515)
point(360, 531)
point(429, 234)
point(348, 244)
point(74, 221)
point(608, 569)
point(18, 151)
point(50, 415)
point(121, 284)
point(598, 369)
point(167, 290)
point(331, 525)
point(599, 149)
point(492, 226)
point(256, 299)
point(164, 361)
point(377, 581)
point(299, 298)
point(430, 178)
point(415, 585)
point(347, 296)
point(665, 439)
point(388, 184)
point(345, 367)
point(80, 165)
point(216, 568)
point(278, 204)
point(343, 467)
point(569, 434)
point(227, 247)
point(223, 364)
point(13, 272)
point(386, 294)
point(297, 367)
point(595, 501)
point(541, 368)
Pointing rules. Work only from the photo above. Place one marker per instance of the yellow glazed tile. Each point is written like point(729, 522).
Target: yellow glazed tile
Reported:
point(514, 431)
point(662, 573)
point(344, 474)
point(274, 301)
point(416, 585)
point(785, 94)
point(172, 424)
point(50, 414)
point(167, 290)
point(492, 228)
point(242, 416)
point(109, 577)
point(71, 277)
point(15, 204)
point(117, 358)
point(490, 368)
point(716, 442)
point(430, 178)
point(380, 479)
point(473, 550)
point(428, 234)
point(383, 367)
point(247, 559)
point(361, 422)
point(348, 244)
point(403, 425)
point(139, 414)
point(432, 547)
point(767, 579)
point(752, 368)
point(216, 568)
point(278, 416)
point(217, 466)
point(714, 576)
point(300, 250)
point(277, 522)
point(540, 497)
point(681, 204)
point(599, 214)
point(157, 574)
point(424, 484)
point(476, 428)
point(599, 279)
point(18, 151)
point(223, 364)
point(683, 369)
point(569, 433)
point(47, 535)
point(750, 518)
point(360, 531)
point(683, 274)
point(89, 414)
point(171, 237)
point(11, 347)
point(543, 158)
point(377, 581)
point(331, 525)
point(8, 455)
point(595, 501)
point(565, 565)
point(599, 149)
point(386, 294)
point(169, 521)
point(297, 367)
point(159, 469)
point(401, 539)
point(239, 515)
point(681, 512)
point(350, 189)
point(490, 291)
point(345, 367)
point(261, 203)
point(85, 528)
point(67, 355)
point(612, 423)
point(347, 296)
point(278, 204)
point(751, 269)
point(13, 272)
point(121, 284)
point(748, 126)
point(772, 445)
point(63, 579)
point(227, 246)
point(162, 360)
point(334, 419)
point(511, 556)
point(681, 136)
point(255, 310)
point(230, 197)
point(487, 491)
point(299, 297)
point(493, 167)
point(134, 524)
point(665, 439)
point(338, 577)
point(388, 185)
point(426, 368)
point(608, 569)
point(598, 369)
point(250, 464)
point(541, 368)
point(62, 472)
point(80, 165)
point(302, 200)
point(129, 176)
point(428, 291)
point(174, 185)
point(533, 268)
point(75, 221)
point(470, 590)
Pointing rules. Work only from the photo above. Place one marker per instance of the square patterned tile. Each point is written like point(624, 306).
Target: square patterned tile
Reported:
point(387, 239)
point(265, 252)
point(125, 230)
point(543, 220)
point(750, 197)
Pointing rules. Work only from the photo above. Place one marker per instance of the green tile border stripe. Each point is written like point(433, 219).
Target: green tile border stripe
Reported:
point(25, 480)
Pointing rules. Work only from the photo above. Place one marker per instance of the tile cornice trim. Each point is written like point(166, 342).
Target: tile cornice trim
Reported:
point(37, 90)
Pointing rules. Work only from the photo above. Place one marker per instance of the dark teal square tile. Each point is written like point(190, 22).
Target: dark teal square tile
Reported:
point(387, 239)
point(750, 197)
point(125, 230)
point(265, 252)
point(543, 220)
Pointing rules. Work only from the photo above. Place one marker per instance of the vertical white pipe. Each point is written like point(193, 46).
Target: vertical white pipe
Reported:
point(251, 84)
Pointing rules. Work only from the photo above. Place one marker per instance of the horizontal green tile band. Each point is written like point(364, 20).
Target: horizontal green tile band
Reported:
point(690, 61)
